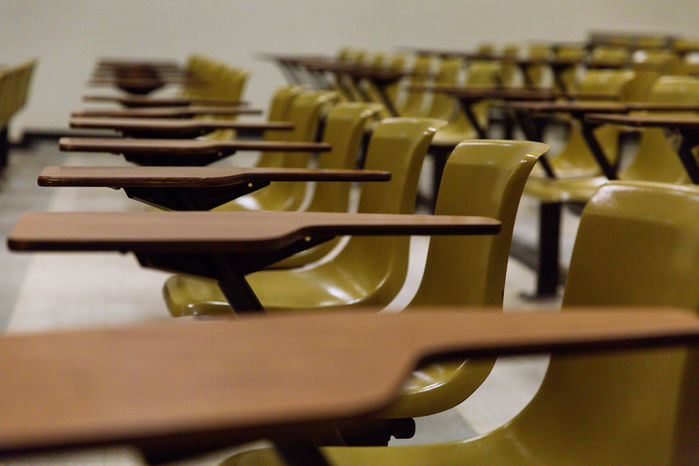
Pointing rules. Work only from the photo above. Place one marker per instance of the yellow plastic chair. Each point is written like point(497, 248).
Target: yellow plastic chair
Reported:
point(368, 270)
point(481, 74)
point(509, 70)
point(344, 130)
point(304, 113)
point(537, 74)
point(444, 107)
point(609, 55)
point(575, 160)
point(415, 100)
point(655, 159)
point(483, 178)
point(637, 245)
point(569, 76)
point(395, 63)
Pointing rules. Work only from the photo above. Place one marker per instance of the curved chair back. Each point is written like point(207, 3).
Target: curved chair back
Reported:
point(509, 69)
point(344, 129)
point(575, 158)
point(380, 264)
point(396, 63)
point(484, 178)
point(443, 106)
point(414, 100)
point(536, 74)
point(305, 112)
point(637, 244)
point(656, 158)
point(609, 55)
point(569, 76)
point(278, 111)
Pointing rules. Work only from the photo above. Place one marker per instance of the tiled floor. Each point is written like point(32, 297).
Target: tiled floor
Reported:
point(48, 291)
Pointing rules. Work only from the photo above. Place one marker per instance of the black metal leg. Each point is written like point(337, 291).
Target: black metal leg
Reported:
point(687, 157)
point(533, 130)
point(440, 160)
point(482, 132)
point(4, 147)
point(302, 454)
point(508, 124)
point(549, 245)
point(236, 288)
point(387, 101)
point(597, 151)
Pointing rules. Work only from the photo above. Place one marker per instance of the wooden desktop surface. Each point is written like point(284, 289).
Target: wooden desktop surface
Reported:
point(155, 124)
point(218, 232)
point(194, 177)
point(176, 146)
point(267, 376)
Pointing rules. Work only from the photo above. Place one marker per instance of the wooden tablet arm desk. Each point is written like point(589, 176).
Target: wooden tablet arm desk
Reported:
point(193, 188)
point(285, 378)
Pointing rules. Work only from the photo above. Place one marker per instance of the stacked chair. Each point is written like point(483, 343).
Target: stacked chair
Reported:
point(620, 387)
point(14, 90)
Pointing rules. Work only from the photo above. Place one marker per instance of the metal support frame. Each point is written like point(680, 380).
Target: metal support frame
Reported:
point(174, 198)
point(174, 160)
point(229, 270)
point(597, 151)
point(466, 105)
point(381, 87)
point(301, 454)
point(4, 146)
point(534, 131)
point(549, 249)
point(689, 141)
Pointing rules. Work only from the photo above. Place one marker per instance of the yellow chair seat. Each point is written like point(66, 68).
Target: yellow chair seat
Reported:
point(307, 256)
point(327, 285)
point(565, 190)
point(452, 135)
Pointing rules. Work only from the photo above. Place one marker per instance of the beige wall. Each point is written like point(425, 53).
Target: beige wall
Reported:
point(68, 35)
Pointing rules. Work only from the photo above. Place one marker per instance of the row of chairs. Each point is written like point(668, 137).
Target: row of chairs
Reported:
point(486, 178)
point(574, 172)
point(14, 90)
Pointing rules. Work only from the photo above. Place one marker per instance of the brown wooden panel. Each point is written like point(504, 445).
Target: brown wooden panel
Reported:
point(254, 375)
point(218, 232)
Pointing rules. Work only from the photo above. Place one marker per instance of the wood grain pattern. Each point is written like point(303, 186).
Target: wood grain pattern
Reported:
point(682, 122)
point(194, 177)
point(474, 93)
point(183, 147)
point(142, 101)
point(598, 107)
point(168, 124)
point(569, 107)
point(176, 112)
point(218, 232)
point(253, 375)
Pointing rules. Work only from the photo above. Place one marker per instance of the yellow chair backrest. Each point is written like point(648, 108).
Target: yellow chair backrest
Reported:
point(443, 106)
point(569, 76)
point(4, 98)
point(481, 177)
point(637, 245)
point(380, 263)
point(414, 100)
point(509, 69)
point(278, 111)
point(484, 178)
point(656, 158)
point(537, 73)
point(575, 156)
point(609, 54)
point(344, 130)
